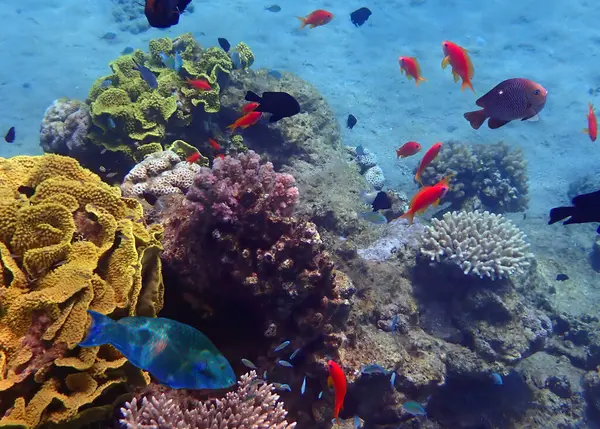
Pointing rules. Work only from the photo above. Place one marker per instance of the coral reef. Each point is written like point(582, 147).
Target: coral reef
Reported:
point(397, 236)
point(253, 405)
point(234, 230)
point(367, 162)
point(160, 173)
point(65, 127)
point(485, 177)
point(68, 243)
point(483, 244)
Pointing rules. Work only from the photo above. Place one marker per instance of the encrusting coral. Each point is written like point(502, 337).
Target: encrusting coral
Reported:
point(65, 127)
point(483, 244)
point(252, 406)
point(68, 243)
point(485, 177)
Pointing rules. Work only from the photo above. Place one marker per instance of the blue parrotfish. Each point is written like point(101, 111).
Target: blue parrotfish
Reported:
point(176, 354)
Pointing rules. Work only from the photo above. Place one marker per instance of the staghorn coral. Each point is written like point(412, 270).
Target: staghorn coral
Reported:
point(484, 244)
point(160, 173)
point(68, 243)
point(485, 177)
point(65, 127)
point(234, 230)
point(252, 406)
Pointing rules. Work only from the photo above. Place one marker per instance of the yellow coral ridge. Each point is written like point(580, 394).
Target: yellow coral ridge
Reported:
point(68, 243)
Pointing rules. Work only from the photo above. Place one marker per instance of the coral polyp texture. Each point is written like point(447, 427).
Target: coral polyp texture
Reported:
point(480, 243)
point(65, 127)
point(252, 406)
point(234, 230)
point(485, 177)
point(68, 243)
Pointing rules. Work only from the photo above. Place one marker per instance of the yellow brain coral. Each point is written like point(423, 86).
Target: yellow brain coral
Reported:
point(68, 243)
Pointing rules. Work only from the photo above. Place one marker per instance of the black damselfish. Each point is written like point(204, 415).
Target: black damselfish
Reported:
point(224, 43)
point(164, 13)
point(585, 209)
point(279, 104)
point(382, 201)
point(351, 122)
point(10, 135)
point(360, 16)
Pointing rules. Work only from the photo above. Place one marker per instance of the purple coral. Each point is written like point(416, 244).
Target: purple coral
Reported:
point(242, 185)
point(253, 405)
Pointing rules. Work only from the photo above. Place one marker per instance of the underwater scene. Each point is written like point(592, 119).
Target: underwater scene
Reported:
point(299, 214)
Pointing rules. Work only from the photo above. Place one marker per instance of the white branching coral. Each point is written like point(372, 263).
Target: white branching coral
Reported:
point(160, 173)
point(252, 406)
point(481, 243)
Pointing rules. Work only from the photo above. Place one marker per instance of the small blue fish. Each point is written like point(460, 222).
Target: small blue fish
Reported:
point(111, 123)
point(265, 375)
point(293, 355)
point(496, 378)
point(394, 324)
point(128, 50)
point(147, 75)
point(393, 379)
point(248, 363)
point(360, 150)
point(167, 60)
point(282, 346)
point(374, 217)
point(303, 388)
point(178, 62)
point(236, 60)
point(257, 381)
point(320, 395)
point(373, 369)
point(176, 354)
point(283, 387)
point(106, 83)
point(414, 408)
point(357, 422)
point(285, 363)
point(275, 74)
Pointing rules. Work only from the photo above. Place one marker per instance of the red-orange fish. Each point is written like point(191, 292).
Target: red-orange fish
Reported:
point(592, 128)
point(408, 149)
point(213, 144)
point(250, 107)
point(245, 121)
point(316, 19)
point(337, 379)
point(427, 196)
point(462, 67)
point(193, 157)
point(410, 66)
point(221, 155)
point(200, 84)
point(427, 158)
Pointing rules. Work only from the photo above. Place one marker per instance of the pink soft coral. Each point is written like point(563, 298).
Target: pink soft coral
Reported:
point(242, 185)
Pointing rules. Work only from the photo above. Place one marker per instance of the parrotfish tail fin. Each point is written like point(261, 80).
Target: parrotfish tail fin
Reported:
point(98, 331)
point(559, 213)
point(467, 84)
point(419, 80)
point(303, 21)
point(476, 118)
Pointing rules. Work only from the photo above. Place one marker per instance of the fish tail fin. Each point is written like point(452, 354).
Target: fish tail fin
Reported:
point(410, 215)
point(476, 118)
point(99, 330)
point(418, 178)
point(467, 84)
point(303, 21)
point(252, 96)
point(419, 80)
point(559, 213)
point(231, 127)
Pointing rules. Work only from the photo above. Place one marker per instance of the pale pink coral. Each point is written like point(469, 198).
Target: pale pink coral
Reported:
point(242, 185)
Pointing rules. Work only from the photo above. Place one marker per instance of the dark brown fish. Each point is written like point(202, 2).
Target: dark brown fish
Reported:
point(510, 100)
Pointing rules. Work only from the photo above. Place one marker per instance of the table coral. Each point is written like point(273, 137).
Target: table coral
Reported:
point(485, 177)
point(68, 243)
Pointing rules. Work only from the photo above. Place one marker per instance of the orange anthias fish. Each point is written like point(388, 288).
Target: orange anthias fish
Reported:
point(408, 149)
point(337, 379)
point(213, 144)
point(250, 107)
point(410, 66)
point(592, 128)
point(427, 196)
point(200, 84)
point(193, 157)
point(245, 121)
point(316, 19)
point(427, 158)
point(462, 67)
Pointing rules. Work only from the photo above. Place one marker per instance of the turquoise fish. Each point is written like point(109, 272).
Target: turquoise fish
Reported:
point(178, 355)
point(414, 408)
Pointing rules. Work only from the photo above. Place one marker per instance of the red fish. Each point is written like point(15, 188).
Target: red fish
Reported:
point(200, 84)
point(410, 66)
point(216, 146)
point(250, 107)
point(427, 158)
point(408, 149)
point(316, 19)
point(427, 196)
point(193, 157)
point(510, 100)
point(221, 155)
point(337, 379)
point(592, 128)
point(245, 121)
point(462, 67)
